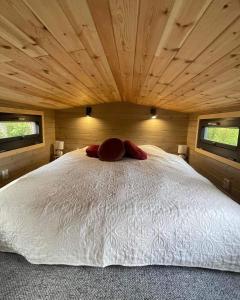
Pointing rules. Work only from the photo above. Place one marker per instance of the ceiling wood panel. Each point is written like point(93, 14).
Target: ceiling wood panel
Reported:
point(125, 19)
point(182, 18)
point(12, 34)
point(182, 55)
point(79, 14)
point(54, 19)
point(50, 13)
point(227, 41)
point(153, 16)
point(100, 11)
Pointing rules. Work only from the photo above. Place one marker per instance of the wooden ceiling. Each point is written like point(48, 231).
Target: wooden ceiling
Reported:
point(181, 55)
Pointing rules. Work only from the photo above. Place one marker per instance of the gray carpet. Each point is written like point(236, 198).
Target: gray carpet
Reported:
point(21, 280)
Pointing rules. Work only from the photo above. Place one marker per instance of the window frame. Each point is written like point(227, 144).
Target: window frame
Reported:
point(222, 145)
point(28, 142)
point(224, 153)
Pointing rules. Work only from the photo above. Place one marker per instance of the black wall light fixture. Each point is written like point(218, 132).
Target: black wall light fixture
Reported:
point(153, 112)
point(88, 111)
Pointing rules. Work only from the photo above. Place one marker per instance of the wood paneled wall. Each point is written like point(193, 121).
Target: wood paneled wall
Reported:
point(126, 121)
point(22, 163)
point(123, 120)
point(214, 170)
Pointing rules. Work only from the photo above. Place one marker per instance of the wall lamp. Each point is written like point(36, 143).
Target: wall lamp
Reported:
point(88, 111)
point(153, 112)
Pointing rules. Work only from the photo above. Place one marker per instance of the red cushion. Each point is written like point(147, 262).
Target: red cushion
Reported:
point(92, 150)
point(134, 151)
point(111, 150)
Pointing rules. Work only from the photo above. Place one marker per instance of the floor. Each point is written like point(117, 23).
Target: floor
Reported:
point(21, 280)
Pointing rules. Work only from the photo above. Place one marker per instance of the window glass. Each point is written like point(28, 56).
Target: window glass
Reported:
point(220, 136)
point(9, 129)
point(223, 135)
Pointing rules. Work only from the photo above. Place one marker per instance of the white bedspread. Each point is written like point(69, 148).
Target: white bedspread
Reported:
point(82, 211)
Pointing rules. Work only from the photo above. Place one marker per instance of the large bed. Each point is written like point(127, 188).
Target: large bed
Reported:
point(79, 210)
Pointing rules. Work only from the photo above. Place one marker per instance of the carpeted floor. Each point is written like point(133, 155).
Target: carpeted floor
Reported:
point(21, 280)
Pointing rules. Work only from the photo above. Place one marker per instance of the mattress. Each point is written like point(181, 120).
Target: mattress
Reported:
point(82, 211)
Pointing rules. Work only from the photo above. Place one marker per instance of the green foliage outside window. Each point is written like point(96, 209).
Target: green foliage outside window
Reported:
point(14, 129)
point(228, 135)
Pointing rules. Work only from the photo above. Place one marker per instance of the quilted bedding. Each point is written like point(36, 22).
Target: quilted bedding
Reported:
point(82, 211)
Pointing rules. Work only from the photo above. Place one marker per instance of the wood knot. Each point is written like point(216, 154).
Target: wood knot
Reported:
point(6, 47)
point(187, 25)
point(175, 49)
point(165, 12)
point(189, 61)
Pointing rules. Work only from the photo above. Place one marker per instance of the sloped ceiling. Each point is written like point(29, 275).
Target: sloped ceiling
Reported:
point(181, 55)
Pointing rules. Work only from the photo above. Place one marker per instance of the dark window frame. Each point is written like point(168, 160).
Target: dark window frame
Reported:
point(227, 151)
point(14, 143)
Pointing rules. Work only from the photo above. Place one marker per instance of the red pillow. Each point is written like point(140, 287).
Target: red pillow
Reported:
point(92, 151)
point(134, 151)
point(111, 150)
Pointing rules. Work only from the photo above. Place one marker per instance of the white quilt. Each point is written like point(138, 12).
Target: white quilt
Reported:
point(82, 211)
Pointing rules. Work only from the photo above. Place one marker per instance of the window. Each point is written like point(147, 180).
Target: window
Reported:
point(15, 129)
point(19, 130)
point(221, 137)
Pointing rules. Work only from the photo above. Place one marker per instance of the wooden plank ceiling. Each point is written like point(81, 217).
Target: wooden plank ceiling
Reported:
point(181, 55)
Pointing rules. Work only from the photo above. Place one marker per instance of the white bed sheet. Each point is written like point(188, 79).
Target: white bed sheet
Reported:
point(82, 211)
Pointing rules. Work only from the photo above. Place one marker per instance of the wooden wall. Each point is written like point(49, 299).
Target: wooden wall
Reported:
point(126, 121)
point(123, 120)
point(211, 168)
point(22, 163)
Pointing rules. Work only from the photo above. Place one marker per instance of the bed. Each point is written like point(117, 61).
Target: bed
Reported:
point(82, 211)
